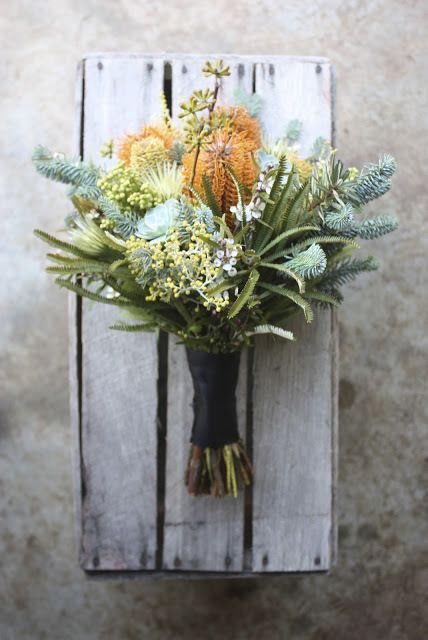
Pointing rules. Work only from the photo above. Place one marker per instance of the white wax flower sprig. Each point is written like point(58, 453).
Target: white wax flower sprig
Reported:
point(227, 256)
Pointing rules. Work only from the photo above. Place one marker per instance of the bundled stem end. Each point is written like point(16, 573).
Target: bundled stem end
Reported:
point(218, 472)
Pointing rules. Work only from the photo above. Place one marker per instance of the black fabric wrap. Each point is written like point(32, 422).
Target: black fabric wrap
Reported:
point(215, 377)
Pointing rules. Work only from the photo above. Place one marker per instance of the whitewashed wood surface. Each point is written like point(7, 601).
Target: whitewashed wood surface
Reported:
point(125, 523)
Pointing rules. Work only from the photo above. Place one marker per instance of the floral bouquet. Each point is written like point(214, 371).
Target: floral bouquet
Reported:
point(214, 233)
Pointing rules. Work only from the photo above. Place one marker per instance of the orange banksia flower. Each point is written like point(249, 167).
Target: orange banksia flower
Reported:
point(225, 148)
point(159, 134)
point(240, 120)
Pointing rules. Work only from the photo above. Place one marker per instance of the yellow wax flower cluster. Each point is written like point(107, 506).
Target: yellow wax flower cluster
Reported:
point(123, 186)
point(179, 271)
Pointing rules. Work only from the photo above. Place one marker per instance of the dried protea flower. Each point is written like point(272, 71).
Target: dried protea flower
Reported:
point(225, 148)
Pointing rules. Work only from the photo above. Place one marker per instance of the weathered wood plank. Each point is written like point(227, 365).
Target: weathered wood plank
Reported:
point(74, 341)
point(294, 433)
point(296, 89)
point(119, 371)
point(293, 399)
point(200, 533)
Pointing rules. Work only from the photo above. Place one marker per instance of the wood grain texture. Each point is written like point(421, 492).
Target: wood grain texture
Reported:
point(294, 397)
point(199, 533)
point(119, 371)
point(74, 341)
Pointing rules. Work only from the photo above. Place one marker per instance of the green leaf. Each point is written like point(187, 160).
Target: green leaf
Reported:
point(60, 244)
point(283, 269)
point(287, 234)
point(324, 240)
point(275, 191)
point(81, 269)
point(240, 192)
point(292, 295)
point(322, 297)
point(211, 200)
point(91, 295)
point(123, 326)
point(226, 284)
point(294, 209)
point(221, 223)
point(269, 328)
point(245, 294)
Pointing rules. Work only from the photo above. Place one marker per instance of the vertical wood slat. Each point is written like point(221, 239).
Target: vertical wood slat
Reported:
point(293, 527)
point(119, 402)
point(293, 403)
point(74, 334)
point(199, 533)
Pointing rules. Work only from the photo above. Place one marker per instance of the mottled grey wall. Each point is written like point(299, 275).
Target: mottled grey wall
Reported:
point(376, 591)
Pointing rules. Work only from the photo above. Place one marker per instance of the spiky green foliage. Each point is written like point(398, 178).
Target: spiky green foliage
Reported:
point(272, 330)
point(245, 294)
point(310, 263)
point(374, 181)
point(340, 218)
point(60, 244)
point(58, 167)
point(134, 328)
point(375, 227)
point(124, 223)
point(292, 295)
point(345, 271)
point(210, 198)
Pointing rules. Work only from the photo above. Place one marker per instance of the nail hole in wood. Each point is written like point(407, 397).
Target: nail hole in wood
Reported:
point(100, 66)
point(317, 561)
point(318, 68)
point(265, 560)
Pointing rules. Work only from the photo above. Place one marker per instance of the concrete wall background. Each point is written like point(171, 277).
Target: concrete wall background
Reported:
point(377, 590)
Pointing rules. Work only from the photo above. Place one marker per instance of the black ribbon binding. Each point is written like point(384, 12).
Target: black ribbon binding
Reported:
point(215, 376)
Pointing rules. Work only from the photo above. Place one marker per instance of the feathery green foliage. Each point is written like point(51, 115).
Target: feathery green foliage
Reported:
point(374, 181)
point(56, 166)
point(310, 263)
point(375, 227)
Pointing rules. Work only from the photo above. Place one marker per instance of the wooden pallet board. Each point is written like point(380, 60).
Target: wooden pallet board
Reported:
point(131, 421)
